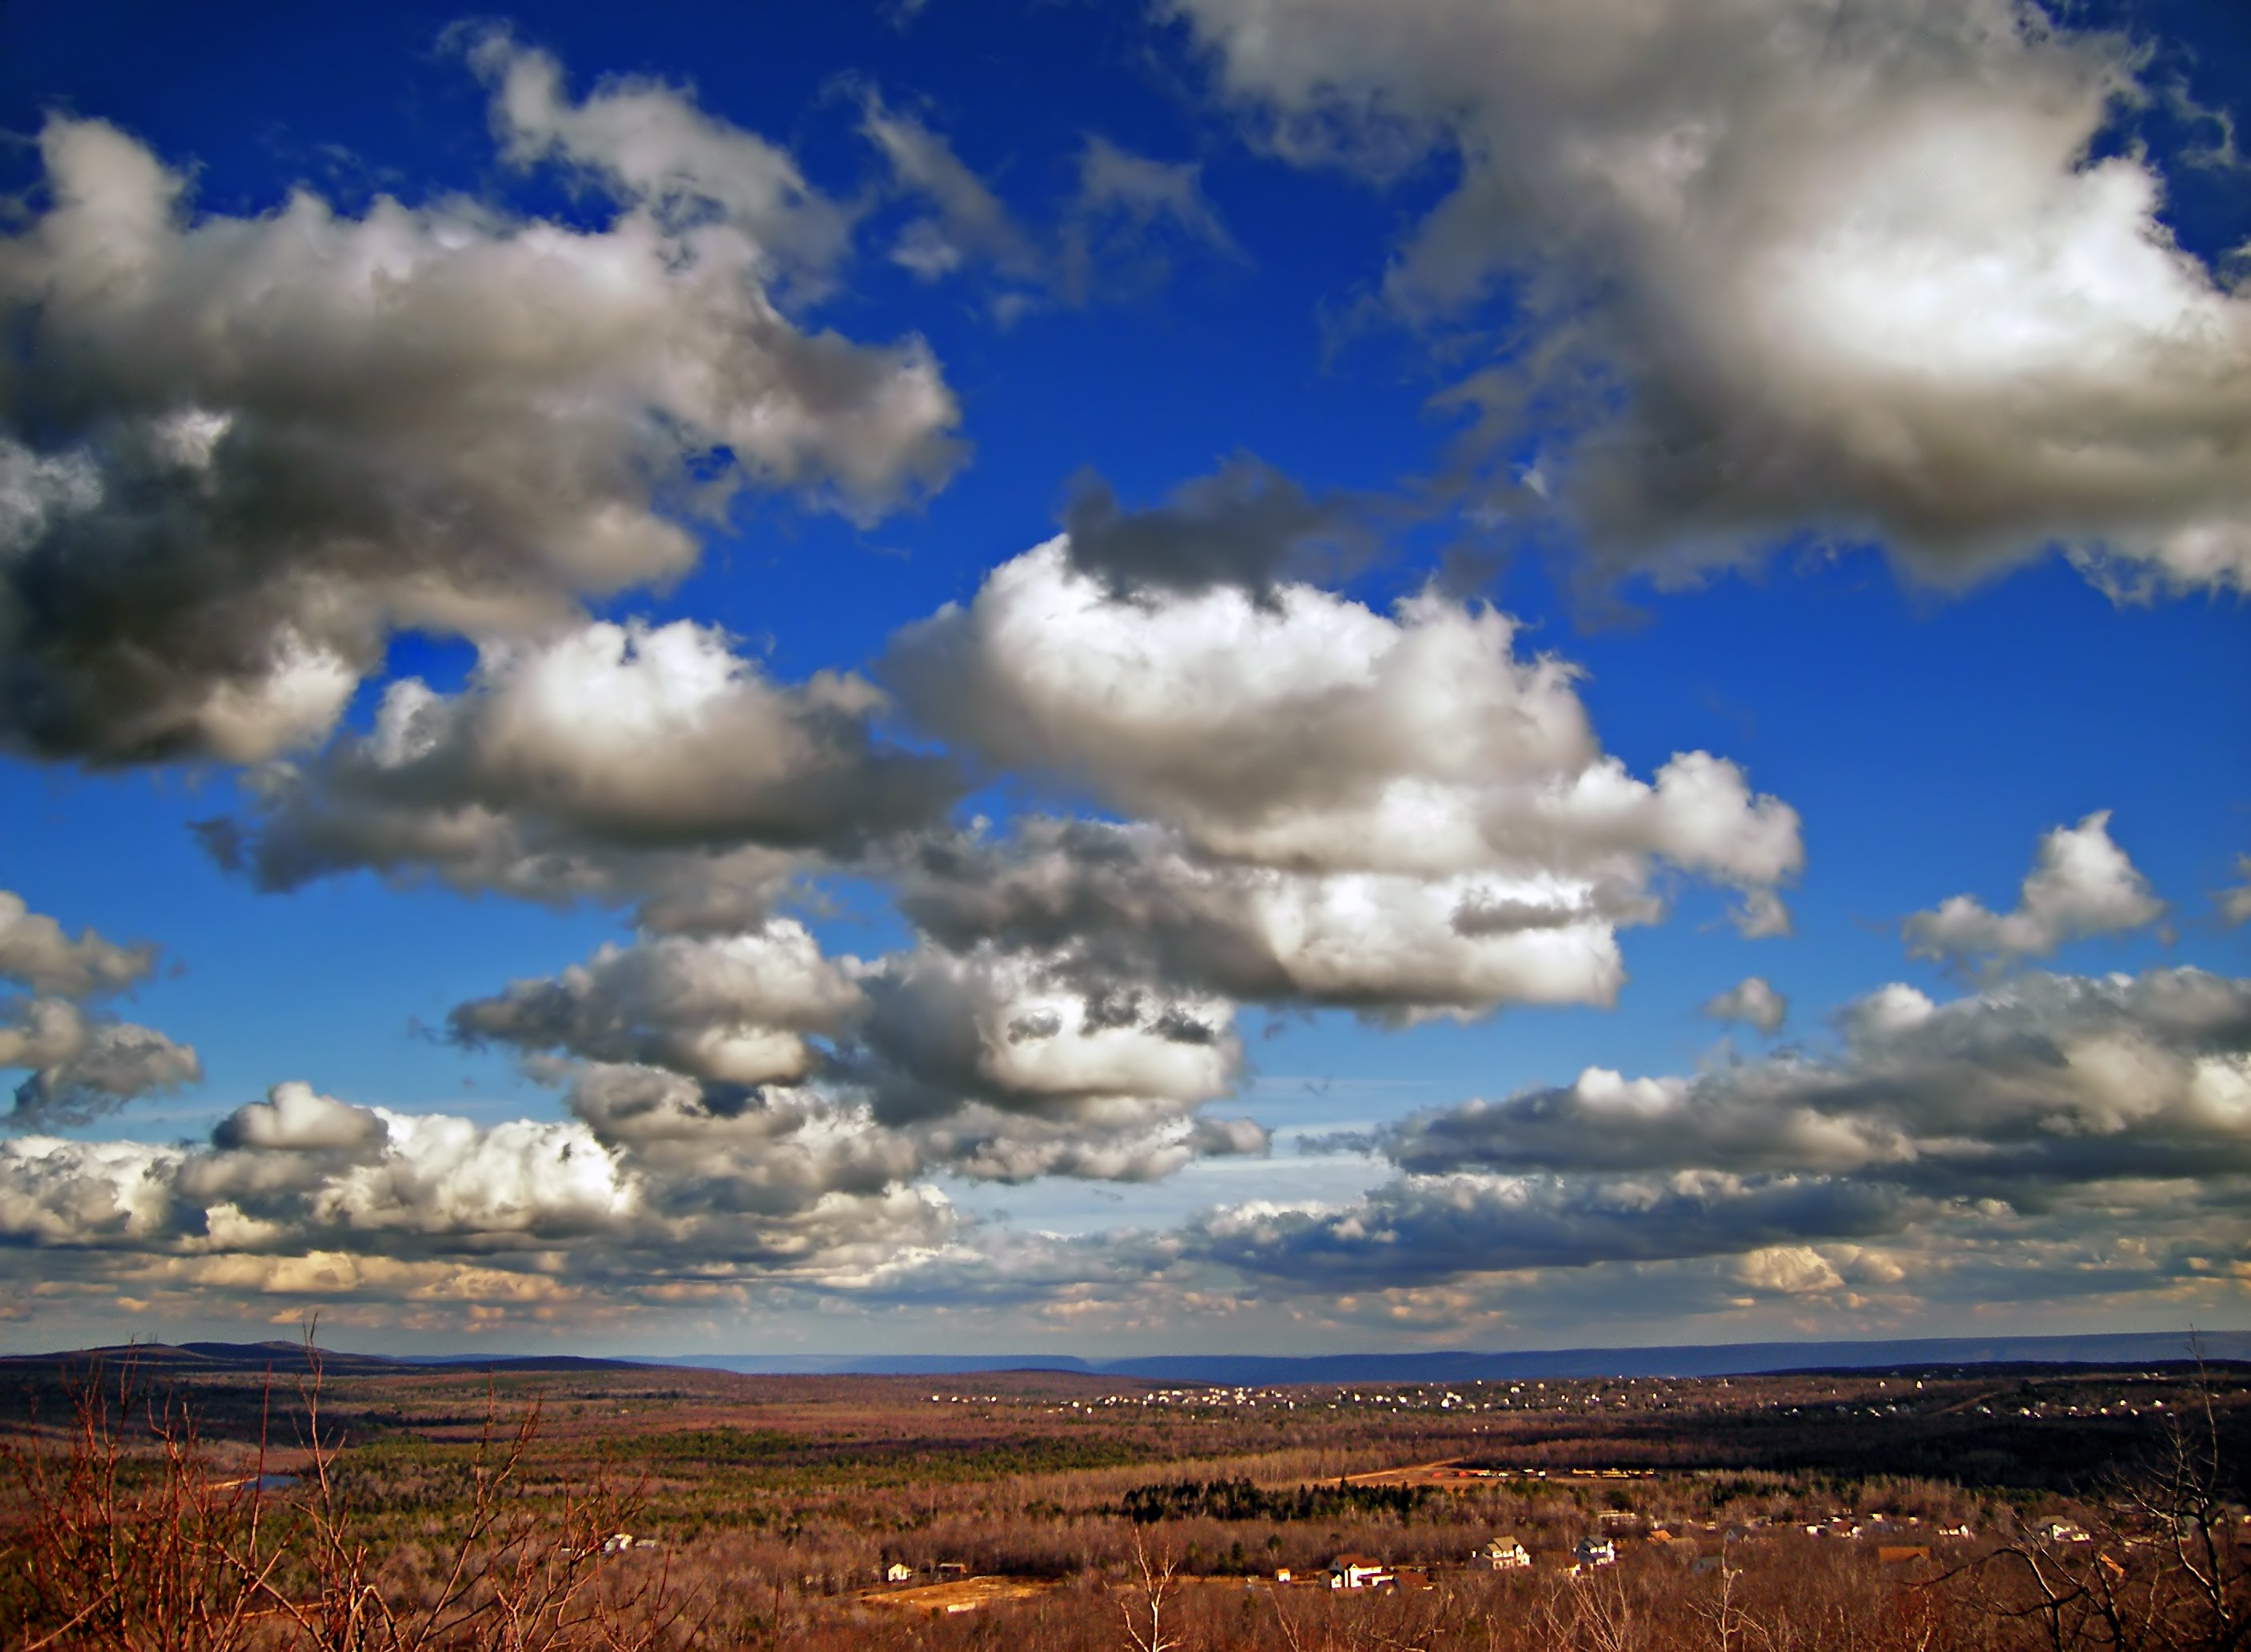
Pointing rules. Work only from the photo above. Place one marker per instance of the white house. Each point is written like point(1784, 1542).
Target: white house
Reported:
point(897, 1572)
point(1595, 1551)
point(1506, 1554)
point(1357, 1571)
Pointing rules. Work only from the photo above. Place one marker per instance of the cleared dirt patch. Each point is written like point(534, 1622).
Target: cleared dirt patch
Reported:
point(957, 1594)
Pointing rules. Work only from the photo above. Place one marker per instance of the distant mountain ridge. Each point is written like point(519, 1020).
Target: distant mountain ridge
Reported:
point(1718, 1359)
point(283, 1357)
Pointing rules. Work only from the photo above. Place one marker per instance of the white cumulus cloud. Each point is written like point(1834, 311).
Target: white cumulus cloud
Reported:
point(1868, 272)
point(2081, 884)
point(1752, 1001)
point(236, 452)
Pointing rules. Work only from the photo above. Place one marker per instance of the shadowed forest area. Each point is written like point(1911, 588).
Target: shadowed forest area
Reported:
point(165, 1499)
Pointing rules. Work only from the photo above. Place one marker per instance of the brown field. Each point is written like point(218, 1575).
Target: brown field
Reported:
point(1042, 1509)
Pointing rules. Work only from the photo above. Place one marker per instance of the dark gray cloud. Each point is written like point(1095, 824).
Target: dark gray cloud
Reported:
point(1246, 525)
point(2085, 1134)
point(1419, 1230)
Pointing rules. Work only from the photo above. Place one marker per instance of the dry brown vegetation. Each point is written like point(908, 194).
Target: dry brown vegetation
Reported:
point(443, 1508)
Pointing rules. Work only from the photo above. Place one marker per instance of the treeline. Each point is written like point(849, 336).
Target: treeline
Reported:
point(1244, 1500)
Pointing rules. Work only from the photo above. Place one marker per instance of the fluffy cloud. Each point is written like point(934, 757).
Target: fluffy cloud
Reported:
point(305, 1195)
point(2093, 1132)
point(1790, 1270)
point(36, 952)
point(2081, 884)
point(84, 1063)
point(1753, 1002)
point(2036, 1115)
point(1875, 274)
point(1316, 733)
point(736, 1009)
point(236, 452)
point(294, 1118)
point(1136, 903)
point(1006, 1031)
point(646, 141)
point(771, 1151)
point(991, 1065)
point(611, 760)
point(76, 1194)
point(1392, 812)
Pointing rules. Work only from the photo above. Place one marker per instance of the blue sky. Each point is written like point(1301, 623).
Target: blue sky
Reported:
point(518, 579)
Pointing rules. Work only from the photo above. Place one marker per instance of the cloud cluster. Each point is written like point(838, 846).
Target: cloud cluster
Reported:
point(989, 1065)
point(2020, 1099)
point(2096, 1130)
point(236, 452)
point(735, 1010)
point(1393, 811)
point(2081, 884)
point(301, 1177)
point(2043, 1080)
point(1780, 267)
point(84, 1062)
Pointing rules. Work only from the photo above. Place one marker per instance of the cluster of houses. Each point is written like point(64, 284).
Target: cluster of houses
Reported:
point(1897, 1543)
point(900, 1572)
point(1501, 1554)
point(1508, 1553)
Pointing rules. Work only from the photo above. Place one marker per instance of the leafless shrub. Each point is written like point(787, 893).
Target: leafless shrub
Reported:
point(138, 1544)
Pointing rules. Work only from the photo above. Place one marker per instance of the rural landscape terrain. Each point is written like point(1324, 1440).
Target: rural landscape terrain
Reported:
point(981, 826)
point(253, 1495)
